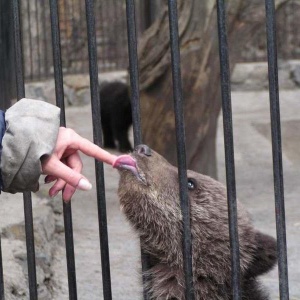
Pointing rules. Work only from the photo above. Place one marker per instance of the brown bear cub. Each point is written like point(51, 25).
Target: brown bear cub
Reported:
point(149, 197)
point(116, 117)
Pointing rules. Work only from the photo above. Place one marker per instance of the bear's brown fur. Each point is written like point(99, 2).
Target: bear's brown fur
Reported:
point(149, 197)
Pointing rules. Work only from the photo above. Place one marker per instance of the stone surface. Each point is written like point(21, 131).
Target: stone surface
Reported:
point(76, 88)
point(296, 75)
point(14, 246)
point(41, 90)
point(254, 76)
point(254, 171)
point(77, 82)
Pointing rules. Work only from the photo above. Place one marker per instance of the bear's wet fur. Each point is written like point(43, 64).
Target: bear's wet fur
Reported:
point(116, 117)
point(149, 197)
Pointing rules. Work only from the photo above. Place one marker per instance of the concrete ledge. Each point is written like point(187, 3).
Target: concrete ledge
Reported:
point(254, 76)
point(76, 88)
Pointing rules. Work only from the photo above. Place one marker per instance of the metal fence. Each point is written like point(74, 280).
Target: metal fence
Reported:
point(57, 42)
point(288, 36)
point(110, 32)
point(7, 75)
point(36, 31)
point(111, 35)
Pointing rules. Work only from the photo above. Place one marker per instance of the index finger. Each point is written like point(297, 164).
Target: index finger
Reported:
point(90, 149)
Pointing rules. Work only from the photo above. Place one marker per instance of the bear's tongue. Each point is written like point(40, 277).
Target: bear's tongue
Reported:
point(126, 162)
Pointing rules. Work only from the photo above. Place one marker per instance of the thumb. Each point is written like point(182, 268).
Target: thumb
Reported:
point(58, 169)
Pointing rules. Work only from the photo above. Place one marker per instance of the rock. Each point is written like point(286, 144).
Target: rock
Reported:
point(59, 226)
point(76, 88)
point(45, 91)
point(57, 205)
point(71, 97)
point(77, 82)
point(113, 76)
point(15, 282)
point(83, 97)
point(250, 76)
point(240, 73)
point(296, 75)
point(254, 76)
point(44, 225)
point(285, 79)
point(15, 255)
point(43, 293)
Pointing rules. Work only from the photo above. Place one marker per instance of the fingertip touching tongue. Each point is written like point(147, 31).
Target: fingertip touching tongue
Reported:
point(127, 162)
point(124, 162)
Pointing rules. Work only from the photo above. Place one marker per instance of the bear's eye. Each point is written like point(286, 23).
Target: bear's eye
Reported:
point(191, 184)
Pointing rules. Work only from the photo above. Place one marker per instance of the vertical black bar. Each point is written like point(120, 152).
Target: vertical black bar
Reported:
point(30, 39)
point(45, 47)
point(74, 41)
point(134, 71)
point(82, 38)
point(229, 150)
point(38, 39)
point(135, 101)
point(97, 132)
point(18, 51)
point(103, 27)
point(27, 195)
point(66, 38)
point(117, 37)
point(30, 245)
point(181, 152)
point(58, 75)
point(2, 297)
point(147, 13)
point(277, 151)
point(7, 73)
point(59, 90)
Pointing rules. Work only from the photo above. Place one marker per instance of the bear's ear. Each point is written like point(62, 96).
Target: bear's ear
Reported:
point(265, 257)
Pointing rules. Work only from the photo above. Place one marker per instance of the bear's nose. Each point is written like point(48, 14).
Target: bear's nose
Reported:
point(143, 149)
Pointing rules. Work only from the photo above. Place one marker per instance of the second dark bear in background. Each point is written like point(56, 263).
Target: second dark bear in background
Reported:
point(116, 115)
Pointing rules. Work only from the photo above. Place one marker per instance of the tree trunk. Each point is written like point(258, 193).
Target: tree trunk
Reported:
point(200, 76)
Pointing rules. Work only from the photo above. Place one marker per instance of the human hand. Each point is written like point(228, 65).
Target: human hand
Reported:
point(64, 165)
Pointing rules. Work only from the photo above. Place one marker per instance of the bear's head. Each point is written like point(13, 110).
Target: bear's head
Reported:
point(149, 197)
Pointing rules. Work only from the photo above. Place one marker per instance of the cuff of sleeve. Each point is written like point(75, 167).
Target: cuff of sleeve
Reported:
point(31, 132)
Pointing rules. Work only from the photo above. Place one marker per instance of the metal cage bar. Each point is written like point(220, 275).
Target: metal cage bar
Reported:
point(135, 100)
point(229, 150)
point(59, 91)
point(97, 133)
point(181, 151)
point(134, 71)
point(277, 150)
point(7, 73)
point(38, 37)
point(30, 38)
point(26, 196)
point(180, 136)
point(2, 296)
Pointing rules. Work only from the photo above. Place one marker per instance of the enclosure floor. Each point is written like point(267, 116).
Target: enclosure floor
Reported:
point(254, 188)
point(254, 171)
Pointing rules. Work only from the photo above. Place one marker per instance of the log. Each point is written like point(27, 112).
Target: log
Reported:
point(200, 76)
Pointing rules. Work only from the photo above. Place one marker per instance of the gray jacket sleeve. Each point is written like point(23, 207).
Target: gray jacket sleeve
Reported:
point(31, 132)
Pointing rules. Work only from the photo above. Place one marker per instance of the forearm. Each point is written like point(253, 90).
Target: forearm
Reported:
point(31, 132)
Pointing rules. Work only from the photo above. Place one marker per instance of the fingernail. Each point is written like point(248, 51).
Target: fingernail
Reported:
point(49, 179)
point(84, 185)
